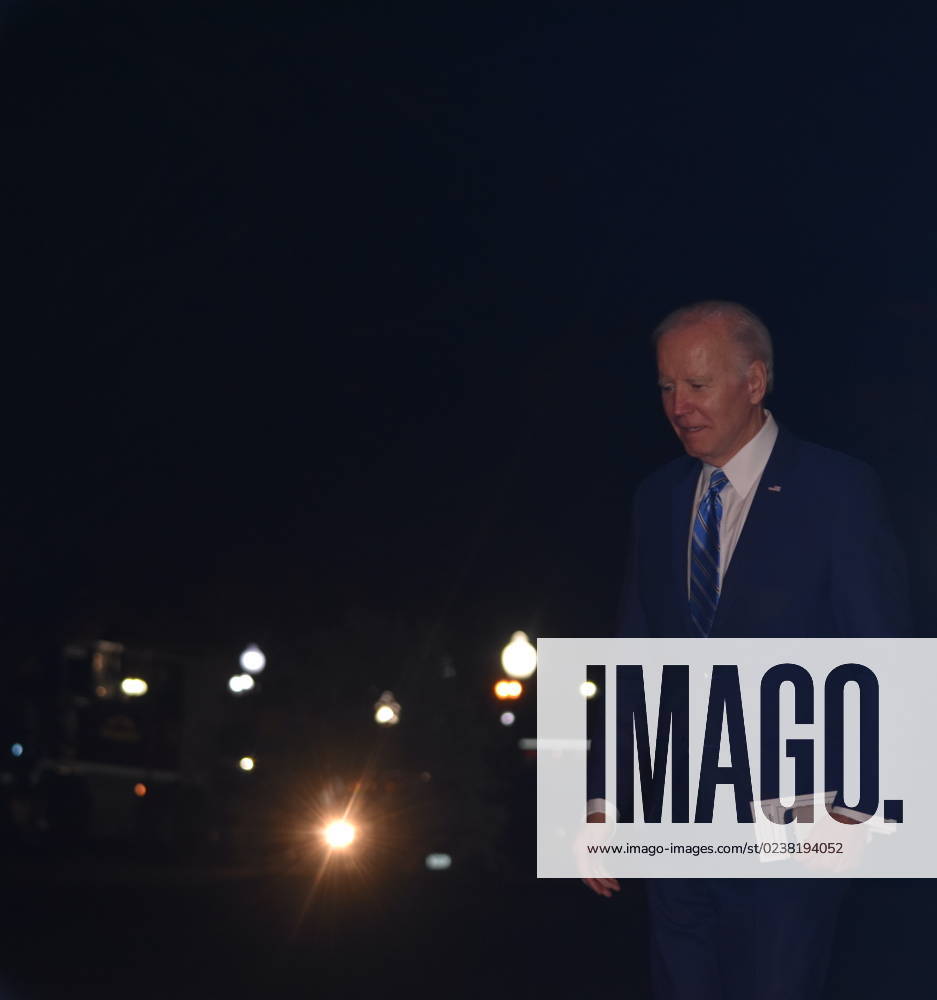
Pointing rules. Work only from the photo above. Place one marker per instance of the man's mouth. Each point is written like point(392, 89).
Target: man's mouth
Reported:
point(691, 430)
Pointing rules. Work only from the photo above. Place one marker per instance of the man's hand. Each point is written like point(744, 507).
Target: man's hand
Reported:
point(601, 886)
point(842, 830)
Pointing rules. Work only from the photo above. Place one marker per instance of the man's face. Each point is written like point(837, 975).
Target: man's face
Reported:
point(711, 397)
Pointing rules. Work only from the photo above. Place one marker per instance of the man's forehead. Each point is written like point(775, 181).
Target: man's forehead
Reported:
point(709, 330)
point(702, 342)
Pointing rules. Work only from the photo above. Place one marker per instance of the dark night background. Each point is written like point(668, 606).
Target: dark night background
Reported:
point(326, 327)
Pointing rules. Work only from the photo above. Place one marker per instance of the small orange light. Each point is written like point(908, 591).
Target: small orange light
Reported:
point(139, 789)
point(508, 690)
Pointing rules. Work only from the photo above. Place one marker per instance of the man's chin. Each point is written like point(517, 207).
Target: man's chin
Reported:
point(692, 445)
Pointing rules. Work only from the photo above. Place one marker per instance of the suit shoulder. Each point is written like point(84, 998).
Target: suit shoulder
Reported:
point(825, 465)
point(838, 482)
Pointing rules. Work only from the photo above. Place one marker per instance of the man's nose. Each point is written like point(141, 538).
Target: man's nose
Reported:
point(681, 402)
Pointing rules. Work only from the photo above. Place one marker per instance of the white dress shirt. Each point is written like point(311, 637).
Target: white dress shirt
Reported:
point(744, 471)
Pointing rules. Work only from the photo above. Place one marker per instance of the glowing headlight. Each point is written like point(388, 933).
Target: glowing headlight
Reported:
point(339, 834)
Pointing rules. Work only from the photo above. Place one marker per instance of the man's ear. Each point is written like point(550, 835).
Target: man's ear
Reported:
point(757, 381)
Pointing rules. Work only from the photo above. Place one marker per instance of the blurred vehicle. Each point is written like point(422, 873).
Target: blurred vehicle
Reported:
point(108, 757)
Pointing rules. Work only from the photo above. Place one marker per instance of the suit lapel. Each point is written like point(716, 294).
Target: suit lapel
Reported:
point(680, 515)
point(763, 526)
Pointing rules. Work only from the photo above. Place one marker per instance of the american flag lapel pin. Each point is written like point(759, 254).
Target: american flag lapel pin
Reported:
point(774, 489)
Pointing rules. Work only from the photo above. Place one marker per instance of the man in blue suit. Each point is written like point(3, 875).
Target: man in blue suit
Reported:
point(752, 533)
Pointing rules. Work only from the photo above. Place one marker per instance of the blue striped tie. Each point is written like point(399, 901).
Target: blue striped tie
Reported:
point(704, 555)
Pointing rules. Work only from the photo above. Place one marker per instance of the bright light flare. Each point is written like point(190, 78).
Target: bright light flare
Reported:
point(438, 862)
point(588, 689)
point(252, 659)
point(246, 763)
point(240, 683)
point(519, 658)
point(133, 687)
point(339, 834)
point(508, 690)
point(139, 789)
point(387, 710)
point(507, 719)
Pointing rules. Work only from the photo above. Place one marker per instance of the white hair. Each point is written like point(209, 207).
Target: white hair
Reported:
point(744, 327)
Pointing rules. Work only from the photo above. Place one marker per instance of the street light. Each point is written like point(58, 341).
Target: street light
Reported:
point(387, 710)
point(588, 689)
point(506, 690)
point(133, 687)
point(252, 659)
point(246, 763)
point(519, 658)
point(239, 683)
point(438, 862)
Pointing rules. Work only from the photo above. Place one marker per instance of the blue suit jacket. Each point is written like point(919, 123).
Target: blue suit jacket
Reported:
point(816, 557)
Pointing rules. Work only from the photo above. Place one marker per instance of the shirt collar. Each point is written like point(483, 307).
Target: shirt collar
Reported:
point(745, 467)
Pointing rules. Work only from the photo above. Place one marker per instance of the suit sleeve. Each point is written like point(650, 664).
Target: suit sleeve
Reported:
point(870, 584)
point(632, 621)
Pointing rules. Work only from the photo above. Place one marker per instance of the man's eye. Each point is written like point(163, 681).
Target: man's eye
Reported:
point(665, 388)
point(697, 385)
